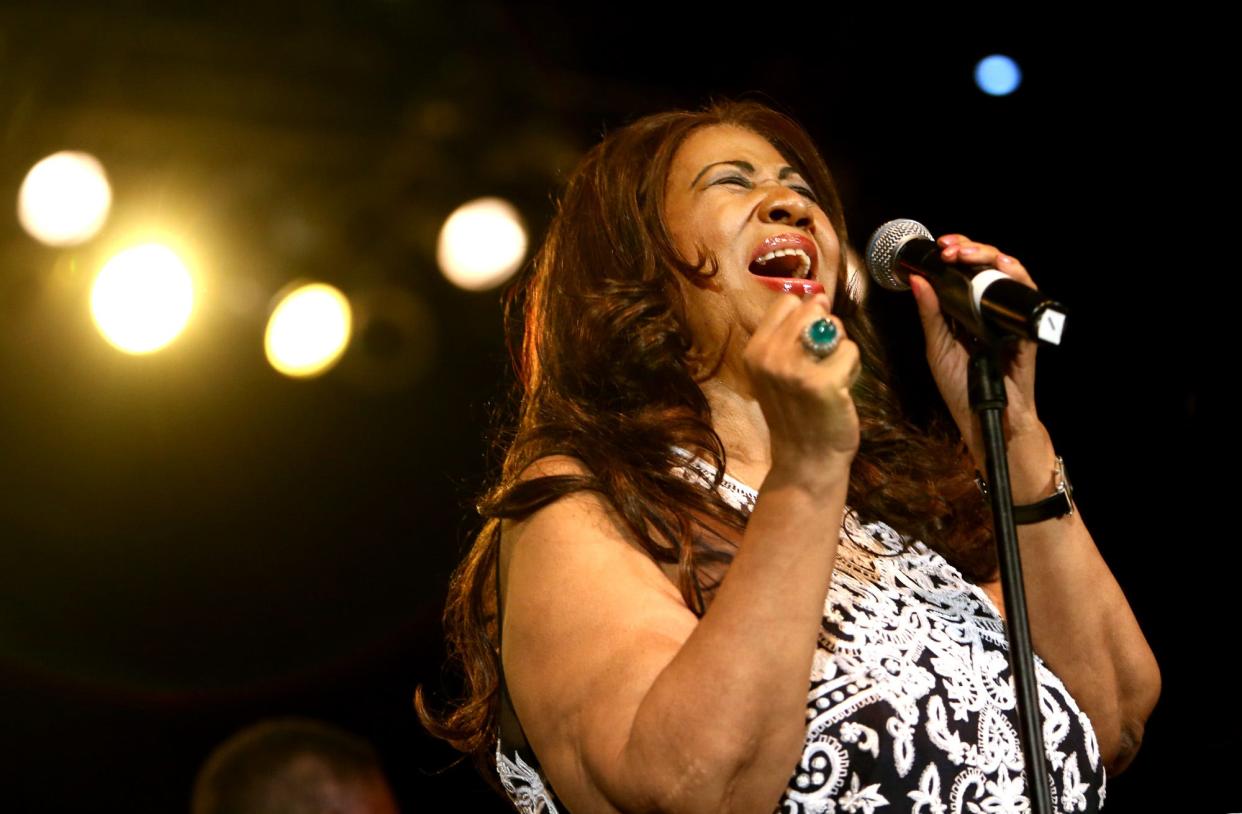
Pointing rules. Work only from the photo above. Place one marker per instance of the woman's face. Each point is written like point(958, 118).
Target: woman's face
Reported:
point(731, 195)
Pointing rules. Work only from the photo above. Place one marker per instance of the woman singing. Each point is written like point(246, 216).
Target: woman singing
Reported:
point(731, 576)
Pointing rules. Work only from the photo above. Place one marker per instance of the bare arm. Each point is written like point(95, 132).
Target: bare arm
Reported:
point(631, 703)
point(1081, 624)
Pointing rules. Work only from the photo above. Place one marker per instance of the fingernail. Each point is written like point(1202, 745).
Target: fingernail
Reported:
point(947, 240)
point(1004, 258)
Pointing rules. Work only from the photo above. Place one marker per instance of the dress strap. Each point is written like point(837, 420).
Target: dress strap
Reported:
point(737, 494)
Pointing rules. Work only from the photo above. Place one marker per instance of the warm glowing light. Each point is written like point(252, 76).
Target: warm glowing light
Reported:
point(998, 75)
point(142, 298)
point(481, 244)
point(64, 199)
point(308, 331)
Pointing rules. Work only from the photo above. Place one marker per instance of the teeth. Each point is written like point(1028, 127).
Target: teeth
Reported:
point(804, 269)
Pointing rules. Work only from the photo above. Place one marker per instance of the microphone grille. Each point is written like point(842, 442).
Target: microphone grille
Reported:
point(882, 251)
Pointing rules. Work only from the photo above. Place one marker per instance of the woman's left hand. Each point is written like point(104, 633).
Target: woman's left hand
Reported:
point(949, 358)
point(1081, 624)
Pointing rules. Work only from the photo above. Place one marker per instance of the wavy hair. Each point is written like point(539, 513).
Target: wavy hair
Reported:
point(606, 374)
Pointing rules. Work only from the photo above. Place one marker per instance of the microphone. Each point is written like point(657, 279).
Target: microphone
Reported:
point(985, 301)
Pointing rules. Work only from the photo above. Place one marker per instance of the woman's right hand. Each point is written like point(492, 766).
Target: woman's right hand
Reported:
point(806, 400)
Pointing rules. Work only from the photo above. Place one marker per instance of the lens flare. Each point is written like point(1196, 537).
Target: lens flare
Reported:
point(64, 199)
point(481, 244)
point(142, 298)
point(308, 331)
point(998, 75)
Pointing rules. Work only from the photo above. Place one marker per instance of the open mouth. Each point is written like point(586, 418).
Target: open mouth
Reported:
point(782, 263)
point(786, 263)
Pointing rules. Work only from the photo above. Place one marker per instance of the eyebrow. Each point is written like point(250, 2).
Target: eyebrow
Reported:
point(746, 167)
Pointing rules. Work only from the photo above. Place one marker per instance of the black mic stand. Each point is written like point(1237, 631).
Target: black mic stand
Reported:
point(988, 400)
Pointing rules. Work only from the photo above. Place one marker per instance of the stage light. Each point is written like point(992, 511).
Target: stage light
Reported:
point(481, 244)
point(64, 199)
point(142, 298)
point(998, 75)
point(308, 331)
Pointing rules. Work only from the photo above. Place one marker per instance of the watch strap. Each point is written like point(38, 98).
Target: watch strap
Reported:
point(1059, 504)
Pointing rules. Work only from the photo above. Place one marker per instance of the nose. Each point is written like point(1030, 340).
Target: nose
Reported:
point(781, 204)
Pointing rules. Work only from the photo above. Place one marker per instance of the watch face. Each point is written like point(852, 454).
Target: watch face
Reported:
point(1064, 488)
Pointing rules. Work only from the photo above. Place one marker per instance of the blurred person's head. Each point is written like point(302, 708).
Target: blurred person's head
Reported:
point(292, 766)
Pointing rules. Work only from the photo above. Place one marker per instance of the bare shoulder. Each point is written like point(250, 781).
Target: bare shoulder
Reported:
point(579, 532)
point(549, 526)
point(590, 620)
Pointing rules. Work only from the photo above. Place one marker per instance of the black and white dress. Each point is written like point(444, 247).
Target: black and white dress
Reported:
point(910, 706)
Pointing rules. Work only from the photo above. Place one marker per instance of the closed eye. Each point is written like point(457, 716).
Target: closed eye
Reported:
point(745, 183)
point(805, 192)
point(733, 179)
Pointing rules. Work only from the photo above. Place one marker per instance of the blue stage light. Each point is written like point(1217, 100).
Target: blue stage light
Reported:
point(998, 75)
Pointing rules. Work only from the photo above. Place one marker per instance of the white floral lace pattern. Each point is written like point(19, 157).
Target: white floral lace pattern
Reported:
point(523, 784)
point(910, 689)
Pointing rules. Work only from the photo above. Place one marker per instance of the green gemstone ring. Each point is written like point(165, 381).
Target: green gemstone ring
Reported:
point(821, 337)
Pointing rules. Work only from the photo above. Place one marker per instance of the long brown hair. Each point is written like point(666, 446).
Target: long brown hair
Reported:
point(606, 374)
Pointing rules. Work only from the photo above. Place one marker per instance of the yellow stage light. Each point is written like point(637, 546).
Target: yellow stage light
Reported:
point(308, 331)
point(481, 244)
point(65, 199)
point(142, 298)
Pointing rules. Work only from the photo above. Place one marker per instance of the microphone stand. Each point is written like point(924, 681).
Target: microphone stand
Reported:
point(988, 400)
point(901, 248)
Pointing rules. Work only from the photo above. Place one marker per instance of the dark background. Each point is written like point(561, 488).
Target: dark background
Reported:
point(190, 542)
